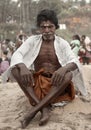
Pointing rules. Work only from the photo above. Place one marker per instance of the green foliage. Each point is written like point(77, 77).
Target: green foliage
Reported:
point(82, 3)
point(65, 34)
point(24, 12)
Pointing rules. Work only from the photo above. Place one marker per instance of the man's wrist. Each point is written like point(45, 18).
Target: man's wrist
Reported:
point(19, 66)
point(67, 68)
point(71, 67)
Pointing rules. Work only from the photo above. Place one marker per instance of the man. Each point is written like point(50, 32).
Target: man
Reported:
point(44, 67)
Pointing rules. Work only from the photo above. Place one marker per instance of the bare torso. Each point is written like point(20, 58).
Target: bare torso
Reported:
point(47, 58)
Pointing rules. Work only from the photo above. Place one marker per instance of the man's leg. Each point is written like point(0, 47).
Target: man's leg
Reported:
point(53, 94)
point(29, 92)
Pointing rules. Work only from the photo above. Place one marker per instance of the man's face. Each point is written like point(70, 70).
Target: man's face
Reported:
point(47, 30)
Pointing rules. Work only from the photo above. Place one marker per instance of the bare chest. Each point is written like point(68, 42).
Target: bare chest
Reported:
point(47, 57)
point(47, 52)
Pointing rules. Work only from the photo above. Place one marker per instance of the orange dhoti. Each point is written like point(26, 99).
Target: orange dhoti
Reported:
point(43, 86)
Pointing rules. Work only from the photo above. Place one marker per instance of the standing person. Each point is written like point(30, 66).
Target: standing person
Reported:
point(46, 69)
point(88, 49)
point(75, 44)
point(20, 39)
point(0, 49)
point(85, 49)
point(4, 65)
point(82, 50)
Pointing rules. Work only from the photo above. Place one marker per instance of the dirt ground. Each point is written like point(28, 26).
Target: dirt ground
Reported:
point(76, 115)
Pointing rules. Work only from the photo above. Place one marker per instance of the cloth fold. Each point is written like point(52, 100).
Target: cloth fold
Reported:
point(43, 86)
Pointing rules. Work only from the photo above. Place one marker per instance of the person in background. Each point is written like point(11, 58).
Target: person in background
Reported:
point(75, 44)
point(46, 69)
point(4, 63)
point(88, 49)
point(9, 46)
point(20, 39)
point(85, 50)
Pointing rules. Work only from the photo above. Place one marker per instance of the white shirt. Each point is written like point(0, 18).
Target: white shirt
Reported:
point(29, 50)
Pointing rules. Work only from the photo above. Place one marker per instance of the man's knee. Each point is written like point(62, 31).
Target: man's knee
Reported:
point(68, 77)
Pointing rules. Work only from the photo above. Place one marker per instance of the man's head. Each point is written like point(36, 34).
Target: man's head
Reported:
point(47, 21)
point(76, 37)
point(47, 15)
point(83, 37)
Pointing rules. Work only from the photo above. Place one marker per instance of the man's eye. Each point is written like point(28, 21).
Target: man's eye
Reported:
point(44, 27)
point(51, 26)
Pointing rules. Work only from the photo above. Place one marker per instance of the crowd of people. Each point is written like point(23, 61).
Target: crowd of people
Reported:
point(7, 48)
point(6, 51)
point(80, 45)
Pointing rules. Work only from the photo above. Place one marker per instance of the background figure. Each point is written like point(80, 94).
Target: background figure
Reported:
point(20, 39)
point(4, 62)
point(75, 44)
point(5, 56)
point(88, 49)
point(9, 46)
point(85, 50)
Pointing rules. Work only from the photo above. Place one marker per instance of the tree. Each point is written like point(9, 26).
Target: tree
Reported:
point(82, 2)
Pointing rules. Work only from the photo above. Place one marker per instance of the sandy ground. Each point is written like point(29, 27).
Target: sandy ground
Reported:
point(76, 115)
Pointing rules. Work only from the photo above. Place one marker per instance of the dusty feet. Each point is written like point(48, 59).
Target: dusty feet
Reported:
point(44, 117)
point(27, 120)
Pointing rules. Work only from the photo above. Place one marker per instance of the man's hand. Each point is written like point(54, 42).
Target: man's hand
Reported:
point(58, 76)
point(26, 76)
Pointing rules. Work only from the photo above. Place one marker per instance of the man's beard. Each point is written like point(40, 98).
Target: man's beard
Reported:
point(48, 36)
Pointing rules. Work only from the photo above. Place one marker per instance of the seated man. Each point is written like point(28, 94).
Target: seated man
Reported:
point(44, 67)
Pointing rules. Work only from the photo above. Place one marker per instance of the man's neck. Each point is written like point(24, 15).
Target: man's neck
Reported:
point(48, 40)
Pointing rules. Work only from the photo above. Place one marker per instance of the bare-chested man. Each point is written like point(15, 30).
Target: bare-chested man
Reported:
point(44, 66)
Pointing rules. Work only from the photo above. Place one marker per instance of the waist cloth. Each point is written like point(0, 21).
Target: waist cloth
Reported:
point(43, 86)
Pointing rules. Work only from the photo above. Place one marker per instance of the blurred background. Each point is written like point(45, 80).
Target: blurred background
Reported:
point(20, 16)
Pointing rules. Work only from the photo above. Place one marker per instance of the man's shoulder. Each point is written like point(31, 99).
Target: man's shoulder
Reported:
point(35, 37)
point(61, 40)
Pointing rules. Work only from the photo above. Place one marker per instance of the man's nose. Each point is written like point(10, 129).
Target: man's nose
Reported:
point(47, 29)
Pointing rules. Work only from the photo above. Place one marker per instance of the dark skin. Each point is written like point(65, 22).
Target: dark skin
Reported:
point(46, 59)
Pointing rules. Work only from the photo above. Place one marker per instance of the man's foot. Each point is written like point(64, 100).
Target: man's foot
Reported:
point(27, 120)
point(44, 117)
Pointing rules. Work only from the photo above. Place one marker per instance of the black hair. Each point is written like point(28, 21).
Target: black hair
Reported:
point(76, 37)
point(5, 52)
point(46, 15)
point(0, 59)
point(84, 36)
point(7, 40)
point(20, 36)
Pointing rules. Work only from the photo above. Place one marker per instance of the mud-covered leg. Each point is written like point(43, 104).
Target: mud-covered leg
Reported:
point(44, 116)
point(54, 93)
point(29, 92)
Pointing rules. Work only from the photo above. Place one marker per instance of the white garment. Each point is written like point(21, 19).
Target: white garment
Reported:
point(29, 50)
point(88, 43)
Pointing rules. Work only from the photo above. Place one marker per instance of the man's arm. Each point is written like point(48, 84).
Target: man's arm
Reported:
point(25, 74)
point(21, 66)
point(59, 74)
point(70, 67)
